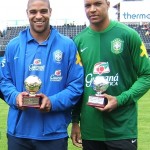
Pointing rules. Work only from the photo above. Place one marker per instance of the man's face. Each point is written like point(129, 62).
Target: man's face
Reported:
point(96, 10)
point(38, 13)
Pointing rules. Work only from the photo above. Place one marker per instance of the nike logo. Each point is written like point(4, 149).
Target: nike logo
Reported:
point(83, 49)
point(133, 141)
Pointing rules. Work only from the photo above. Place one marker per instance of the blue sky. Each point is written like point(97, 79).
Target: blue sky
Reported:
point(15, 9)
point(62, 11)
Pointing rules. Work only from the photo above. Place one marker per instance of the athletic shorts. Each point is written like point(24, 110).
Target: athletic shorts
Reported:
point(128, 144)
point(15, 143)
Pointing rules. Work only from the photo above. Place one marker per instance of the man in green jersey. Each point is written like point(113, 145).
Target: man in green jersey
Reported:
point(116, 52)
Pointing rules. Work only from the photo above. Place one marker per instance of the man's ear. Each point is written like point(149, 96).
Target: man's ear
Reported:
point(108, 3)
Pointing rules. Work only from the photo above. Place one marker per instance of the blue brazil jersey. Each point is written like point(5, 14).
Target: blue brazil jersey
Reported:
point(57, 63)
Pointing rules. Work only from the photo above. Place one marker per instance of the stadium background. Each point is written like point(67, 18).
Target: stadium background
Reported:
point(134, 13)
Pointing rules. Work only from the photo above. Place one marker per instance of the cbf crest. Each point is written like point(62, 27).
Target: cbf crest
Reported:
point(57, 55)
point(117, 46)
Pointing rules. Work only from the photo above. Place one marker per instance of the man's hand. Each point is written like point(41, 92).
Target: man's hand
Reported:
point(112, 103)
point(76, 135)
point(45, 103)
point(19, 100)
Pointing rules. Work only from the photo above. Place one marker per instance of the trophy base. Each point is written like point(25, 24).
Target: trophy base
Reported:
point(31, 101)
point(97, 101)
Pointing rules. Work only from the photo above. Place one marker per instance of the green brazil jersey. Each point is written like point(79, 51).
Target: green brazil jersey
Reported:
point(118, 54)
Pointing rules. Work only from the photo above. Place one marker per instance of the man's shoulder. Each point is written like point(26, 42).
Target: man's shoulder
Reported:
point(124, 26)
point(82, 33)
point(16, 40)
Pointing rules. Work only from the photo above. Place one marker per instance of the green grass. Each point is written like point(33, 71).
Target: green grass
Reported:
point(143, 125)
point(144, 122)
point(3, 121)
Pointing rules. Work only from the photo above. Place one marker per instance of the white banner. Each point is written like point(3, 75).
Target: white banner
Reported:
point(135, 11)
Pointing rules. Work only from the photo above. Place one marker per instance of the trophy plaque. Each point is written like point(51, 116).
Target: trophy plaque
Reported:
point(32, 86)
point(100, 85)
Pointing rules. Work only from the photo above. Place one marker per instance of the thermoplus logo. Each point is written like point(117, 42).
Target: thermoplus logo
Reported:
point(127, 15)
point(130, 13)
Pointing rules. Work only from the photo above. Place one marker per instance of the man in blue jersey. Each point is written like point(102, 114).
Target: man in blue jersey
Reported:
point(40, 50)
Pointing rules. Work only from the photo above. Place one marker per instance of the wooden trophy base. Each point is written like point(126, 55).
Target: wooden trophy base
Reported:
point(32, 101)
point(97, 101)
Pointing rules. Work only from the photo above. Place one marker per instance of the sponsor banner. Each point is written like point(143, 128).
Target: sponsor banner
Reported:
point(134, 11)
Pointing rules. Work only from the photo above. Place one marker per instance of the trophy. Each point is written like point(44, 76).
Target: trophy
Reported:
point(100, 85)
point(32, 86)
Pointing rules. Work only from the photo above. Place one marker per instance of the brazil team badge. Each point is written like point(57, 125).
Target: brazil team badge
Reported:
point(117, 46)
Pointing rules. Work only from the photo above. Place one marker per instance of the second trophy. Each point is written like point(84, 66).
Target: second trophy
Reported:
point(100, 85)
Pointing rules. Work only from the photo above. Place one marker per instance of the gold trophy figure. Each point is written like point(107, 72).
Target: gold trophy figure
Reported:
point(32, 86)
